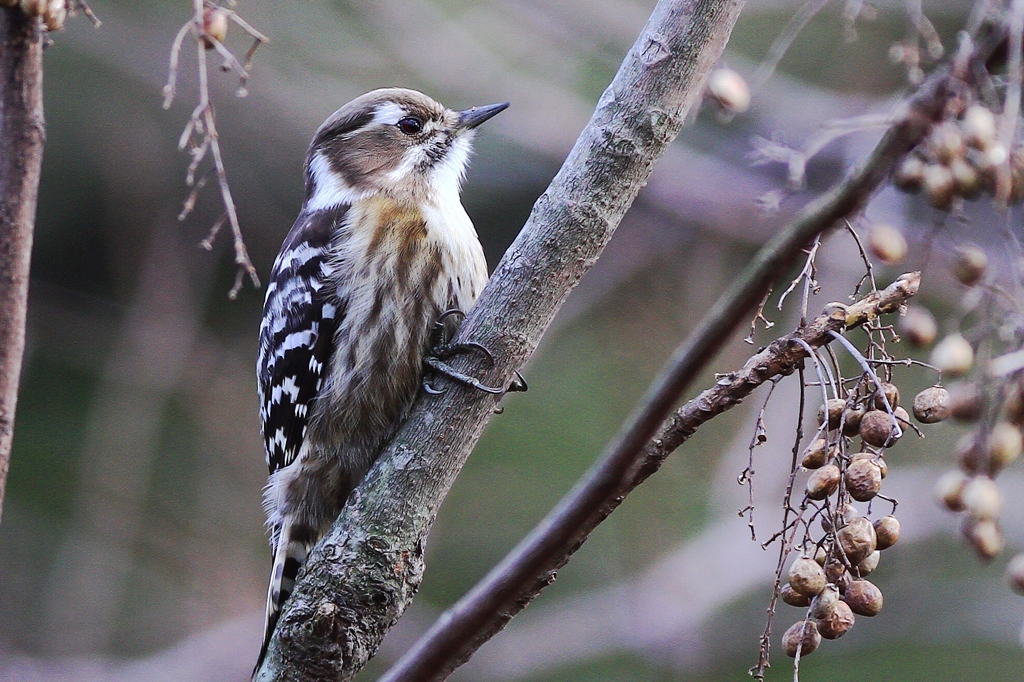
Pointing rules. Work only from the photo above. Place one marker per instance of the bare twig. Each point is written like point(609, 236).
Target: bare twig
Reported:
point(22, 133)
point(202, 122)
point(785, 39)
point(759, 315)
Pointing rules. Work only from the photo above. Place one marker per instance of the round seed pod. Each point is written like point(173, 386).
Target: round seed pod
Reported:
point(932, 405)
point(820, 556)
point(1015, 573)
point(985, 537)
point(837, 574)
point(825, 603)
point(969, 453)
point(971, 265)
point(807, 577)
point(729, 90)
point(887, 532)
point(835, 408)
point(909, 174)
point(838, 623)
point(815, 455)
point(953, 355)
point(868, 566)
point(1005, 444)
point(857, 538)
point(876, 428)
point(823, 482)
point(966, 401)
point(864, 598)
point(863, 479)
point(919, 327)
point(902, 416)
point(877, 460)
point(887, 244)
point(892, 394)
point(982, 498)
point(946, 142)
point(802, 636)
point(55, 15)
point(215, 25)
point(792, 597)
point(939, 185)
point(949, 490)
point(978, 126)
point(851, 419)
point(1013, 406)
point(967, 179)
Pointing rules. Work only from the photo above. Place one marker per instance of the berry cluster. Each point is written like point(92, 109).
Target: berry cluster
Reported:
point(960, 158)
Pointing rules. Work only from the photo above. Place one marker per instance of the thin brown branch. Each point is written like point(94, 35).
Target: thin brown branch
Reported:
point(22, 133)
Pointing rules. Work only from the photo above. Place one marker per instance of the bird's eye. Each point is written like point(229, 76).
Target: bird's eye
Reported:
point(410, 125)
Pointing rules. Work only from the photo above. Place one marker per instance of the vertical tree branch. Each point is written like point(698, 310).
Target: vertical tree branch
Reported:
point(21, 154)
point(363, 574)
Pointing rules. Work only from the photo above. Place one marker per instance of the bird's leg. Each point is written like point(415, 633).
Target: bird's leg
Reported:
point(441, 351)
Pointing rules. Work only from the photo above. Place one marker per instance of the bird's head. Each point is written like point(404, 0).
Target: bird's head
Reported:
point(392, 141)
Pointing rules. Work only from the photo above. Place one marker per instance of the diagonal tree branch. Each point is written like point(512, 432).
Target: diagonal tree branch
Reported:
point(21, 154)
point(364, 573)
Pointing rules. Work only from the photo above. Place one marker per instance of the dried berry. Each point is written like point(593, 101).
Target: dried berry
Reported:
point(982, 498)
point(969, 453)
point(966, 401)
point(985, 537)
point(857, 538)
point(825, 603)
point(892, 394)
point(876, 428)
point(1013, 406)
point(875, 459)
point(823, 482)
point(815, 455)
point(932, 405)
point(837, 574)
point(967, 179)
point(864, 598)
point(902, 416)
point(970, 266)
point(949, 490)
point(838, 623)
point(820, 555)
point(909, 174)
point(851, 419)
point(807, 577)
point(863, 479)
point(792, 597)
point(978, 126)
point(215, 25)
point(946, 142)
point(868, 566)
point(835, 412)
point(1015, 573)
point(939, 185)
point(953, 355)
point(802, 636)
point(887, 532)
point(887, 244)
point(1005, 444)
point(729, 90)
point(919, 327)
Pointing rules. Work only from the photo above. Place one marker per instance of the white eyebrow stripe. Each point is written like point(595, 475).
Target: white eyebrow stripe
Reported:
point(389, 114)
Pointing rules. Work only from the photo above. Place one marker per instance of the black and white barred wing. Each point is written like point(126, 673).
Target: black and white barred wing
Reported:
point(296, 335)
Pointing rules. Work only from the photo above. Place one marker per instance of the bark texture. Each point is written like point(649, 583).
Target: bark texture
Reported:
point(364, 573)
point(21, 155)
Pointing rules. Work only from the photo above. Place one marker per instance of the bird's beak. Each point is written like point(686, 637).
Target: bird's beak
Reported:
point(471, 118)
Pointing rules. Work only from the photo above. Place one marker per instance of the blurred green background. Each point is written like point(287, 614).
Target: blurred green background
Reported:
point(132, 545)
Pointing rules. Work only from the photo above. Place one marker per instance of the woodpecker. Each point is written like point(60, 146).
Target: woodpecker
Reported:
point(380, 255)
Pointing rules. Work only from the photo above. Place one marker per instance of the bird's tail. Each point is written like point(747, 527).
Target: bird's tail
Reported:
point(289, 556)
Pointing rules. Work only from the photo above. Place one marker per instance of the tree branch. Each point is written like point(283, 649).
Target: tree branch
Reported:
point(638, 452)
point(22, 134)
point(363, 574)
